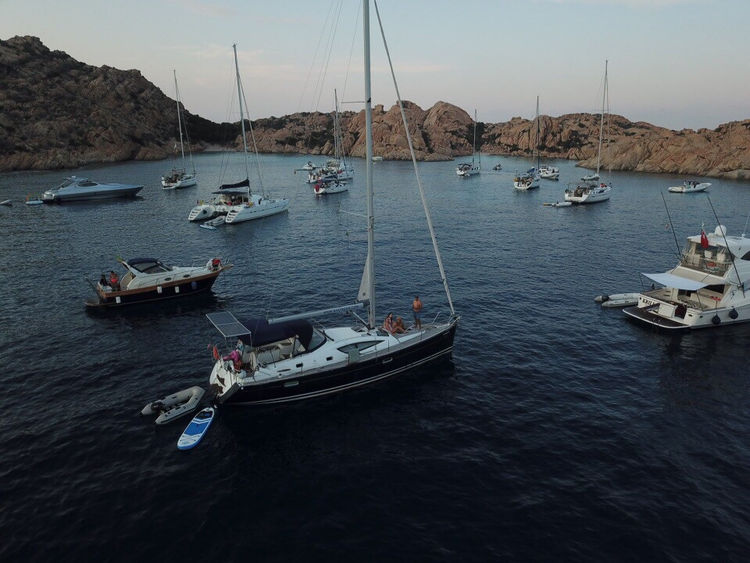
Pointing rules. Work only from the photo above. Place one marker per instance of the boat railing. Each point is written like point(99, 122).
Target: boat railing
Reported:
point(709, 262)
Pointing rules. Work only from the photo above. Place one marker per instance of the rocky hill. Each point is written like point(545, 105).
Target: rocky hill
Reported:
point(56, 112)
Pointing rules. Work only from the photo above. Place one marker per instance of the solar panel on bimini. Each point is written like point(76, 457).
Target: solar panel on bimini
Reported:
point(227, 324)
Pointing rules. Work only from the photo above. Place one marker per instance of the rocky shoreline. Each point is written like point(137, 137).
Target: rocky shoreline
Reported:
point(88, 114)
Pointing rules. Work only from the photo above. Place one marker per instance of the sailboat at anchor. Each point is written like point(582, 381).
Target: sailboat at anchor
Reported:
point(291, 359)
point(180, 177)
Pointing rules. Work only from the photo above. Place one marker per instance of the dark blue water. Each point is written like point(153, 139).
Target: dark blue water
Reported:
point(559, 431)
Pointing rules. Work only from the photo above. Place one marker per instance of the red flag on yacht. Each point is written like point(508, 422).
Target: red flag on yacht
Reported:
point(704, 239)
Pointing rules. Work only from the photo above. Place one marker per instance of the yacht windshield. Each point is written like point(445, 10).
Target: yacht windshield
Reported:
point(317, 340)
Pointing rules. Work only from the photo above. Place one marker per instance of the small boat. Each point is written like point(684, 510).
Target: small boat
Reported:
point(33, 201)
point(82, 189)
point(175, 405)
point(148, 279)
point(588, 192)
point(549, 172)
point(196, 429)
point(557, 204)
point(617, 299)
point(329, 187)
point(7, 203)
point(526, 181)
point(590, 177)
point(377, 158)
point(707, 288)
point(179, 177)
point(689, 187)
point(497, 166)
point(468, 169)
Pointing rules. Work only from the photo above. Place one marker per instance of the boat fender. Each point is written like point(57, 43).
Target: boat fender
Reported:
point(716, 320)
point(733, 314)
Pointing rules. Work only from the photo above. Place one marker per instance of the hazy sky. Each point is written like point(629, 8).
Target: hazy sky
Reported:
point(673, 63)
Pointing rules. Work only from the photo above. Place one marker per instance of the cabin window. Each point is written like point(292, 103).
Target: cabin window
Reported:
point(359, 346)
point(316, 341)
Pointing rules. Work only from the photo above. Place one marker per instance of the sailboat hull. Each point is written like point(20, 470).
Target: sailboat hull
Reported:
point(386, 365)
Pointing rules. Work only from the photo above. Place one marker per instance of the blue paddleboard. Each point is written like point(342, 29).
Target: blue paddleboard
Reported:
point(196, 429)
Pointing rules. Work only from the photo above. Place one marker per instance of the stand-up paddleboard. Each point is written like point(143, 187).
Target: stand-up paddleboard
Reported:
point(196, 429)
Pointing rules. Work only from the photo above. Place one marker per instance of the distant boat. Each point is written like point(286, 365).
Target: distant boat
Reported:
point(591, 190)
point(467, 169)
point(7, 203)
point(689, 187)
point(549, 172)
point(530, 179)
point(329, 187)
point(81, 189)
point(178, 177)
point(377, 158)
point(497, 166)
point(235, 201)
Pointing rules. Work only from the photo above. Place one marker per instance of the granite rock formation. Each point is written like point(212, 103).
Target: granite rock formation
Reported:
point(56, 112)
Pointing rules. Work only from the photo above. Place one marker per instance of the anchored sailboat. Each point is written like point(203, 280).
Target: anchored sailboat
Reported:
point(235, 202)
point(466, 169)
point(530, 179)
point(290, 359)
point(179, 177)
point(591, 190)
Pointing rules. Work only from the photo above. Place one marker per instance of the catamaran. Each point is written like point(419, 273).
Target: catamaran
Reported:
point(291, 359)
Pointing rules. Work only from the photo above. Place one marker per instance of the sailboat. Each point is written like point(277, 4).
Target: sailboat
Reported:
point(591, 190)
point(179, 177)
point(466, 169)
point(235, 203)
point(336, 169)
point(291, 359)
point(530, 179)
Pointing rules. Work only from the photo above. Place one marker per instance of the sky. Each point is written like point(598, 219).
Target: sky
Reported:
point(673, 63)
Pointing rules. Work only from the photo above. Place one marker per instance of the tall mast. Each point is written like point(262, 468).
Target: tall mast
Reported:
point(538, 134)
point(474, 146)
point(242, 113)
point(368, 166)
point(601, 122)
point(179, 118)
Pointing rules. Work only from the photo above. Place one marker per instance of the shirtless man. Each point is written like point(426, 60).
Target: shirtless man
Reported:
point(416, 306)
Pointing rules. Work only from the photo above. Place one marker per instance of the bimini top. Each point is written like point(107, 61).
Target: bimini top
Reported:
point(670, 280)
point(257, 332)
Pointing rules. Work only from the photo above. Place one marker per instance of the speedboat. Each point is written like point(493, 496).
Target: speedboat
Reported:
point(527, 181)
point(149, 279)
point(81, 189)
point(588, 192)
point(689, 186)
point(708, 287)
point(549, 172)
point(590, 177)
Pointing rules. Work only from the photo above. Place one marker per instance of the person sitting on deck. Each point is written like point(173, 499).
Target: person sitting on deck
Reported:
point(388, 323)
point(399, 327)
point(114, 281)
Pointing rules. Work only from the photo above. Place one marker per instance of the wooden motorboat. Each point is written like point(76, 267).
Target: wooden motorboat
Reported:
point(148, 279)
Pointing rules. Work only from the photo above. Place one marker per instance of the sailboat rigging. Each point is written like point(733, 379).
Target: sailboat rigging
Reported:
point(466, 169)
point(290, 359)
point(179, 177)
point(235, 202)
point(591, 190)
point(530, 179)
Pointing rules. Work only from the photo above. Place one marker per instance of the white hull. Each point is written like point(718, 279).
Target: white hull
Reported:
point(525, 184)
point(256, 209)
point(689, 187)
point(186, 181)
point(704, 290)
point(466, 171)
point(588, 194)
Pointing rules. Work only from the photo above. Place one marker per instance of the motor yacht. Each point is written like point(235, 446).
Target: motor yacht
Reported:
point(81, 189)
point(708, 287)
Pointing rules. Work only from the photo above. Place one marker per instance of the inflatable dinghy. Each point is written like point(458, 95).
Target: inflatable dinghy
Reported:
point(617, 299)
point(176, 405)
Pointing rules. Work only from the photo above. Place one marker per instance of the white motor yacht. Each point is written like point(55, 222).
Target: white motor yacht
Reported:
point(708, 287)
point(81, 189)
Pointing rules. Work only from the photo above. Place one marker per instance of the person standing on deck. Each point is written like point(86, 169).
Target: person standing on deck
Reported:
point(416, 306)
